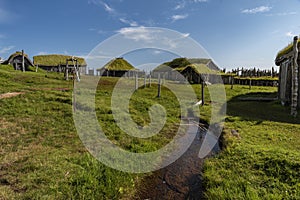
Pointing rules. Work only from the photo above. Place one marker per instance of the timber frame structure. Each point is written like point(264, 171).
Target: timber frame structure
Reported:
point(72, 69)
point(19, 61)
point(289, 80)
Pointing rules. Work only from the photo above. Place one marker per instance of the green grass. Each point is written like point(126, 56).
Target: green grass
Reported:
point(263, 78)
point(118, 64)
point(182, 63)
point(285, 50)
point(138, 108)
point(40, 152)
point(264, 162)
point(41, 155)
point(55, 60)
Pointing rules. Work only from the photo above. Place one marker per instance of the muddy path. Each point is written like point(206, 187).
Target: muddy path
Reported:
point(10, 95)
point(180, 180)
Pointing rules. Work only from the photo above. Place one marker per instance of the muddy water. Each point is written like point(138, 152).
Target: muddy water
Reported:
point(180, 180)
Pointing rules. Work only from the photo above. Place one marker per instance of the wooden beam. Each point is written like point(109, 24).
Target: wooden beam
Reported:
point(136, 81)
point(159, 86)
point(23, 61)
point(202, 91)
point(295, 73)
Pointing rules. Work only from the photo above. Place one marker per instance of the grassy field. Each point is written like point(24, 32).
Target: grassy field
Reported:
point(264, 161)
point(41, 155)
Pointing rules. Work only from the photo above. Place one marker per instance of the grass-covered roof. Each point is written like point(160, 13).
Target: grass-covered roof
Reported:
point(179, 63)
point(17, 53)
point(118, 64)
point(55, 60)
point(285, 51)
point(197, 68)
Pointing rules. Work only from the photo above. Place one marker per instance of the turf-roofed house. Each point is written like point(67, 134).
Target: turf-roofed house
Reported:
point(192, 69)
point(58, 63)
point(117, 68)
point(289, 77)
point(18, 60)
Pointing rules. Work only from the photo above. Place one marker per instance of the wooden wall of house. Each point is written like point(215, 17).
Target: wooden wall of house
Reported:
point(299, 81)
point(119, 73)
point(285, 83)
point(17, 63)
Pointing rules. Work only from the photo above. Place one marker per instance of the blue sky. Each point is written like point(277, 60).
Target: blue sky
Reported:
point(236, 33)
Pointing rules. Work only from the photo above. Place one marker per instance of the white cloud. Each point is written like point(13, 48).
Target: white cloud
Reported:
point(179, 17)
point(290, 34)
point(108, 8)
point(6, 49)
point(137, 33)
point(131, 23)
point(283, 14)
point(180, 6)
point(185, 35)
point(42, 53)
point(260, 9)
point(199, 1)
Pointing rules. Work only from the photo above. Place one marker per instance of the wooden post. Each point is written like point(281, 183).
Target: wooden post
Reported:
point(145, 76)
point(67, 70)
point(159, 87)
point(250, 83)
point(23, 61)
point(295, 74)
point(136, 82)
point(202, 92)
point(149, 80)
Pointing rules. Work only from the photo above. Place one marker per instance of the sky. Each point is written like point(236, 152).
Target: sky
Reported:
point(235, 33)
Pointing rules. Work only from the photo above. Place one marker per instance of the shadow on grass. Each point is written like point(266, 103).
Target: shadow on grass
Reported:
point(260, 110)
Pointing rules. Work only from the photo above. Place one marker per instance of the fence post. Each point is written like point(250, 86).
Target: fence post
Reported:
point(23, 61)
point(202, 92)
point(159, 86)
point(136, 81)
point(145, 76)
point(250, 83)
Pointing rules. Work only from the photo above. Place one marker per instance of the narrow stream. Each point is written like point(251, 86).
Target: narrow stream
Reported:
point(180, 180)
